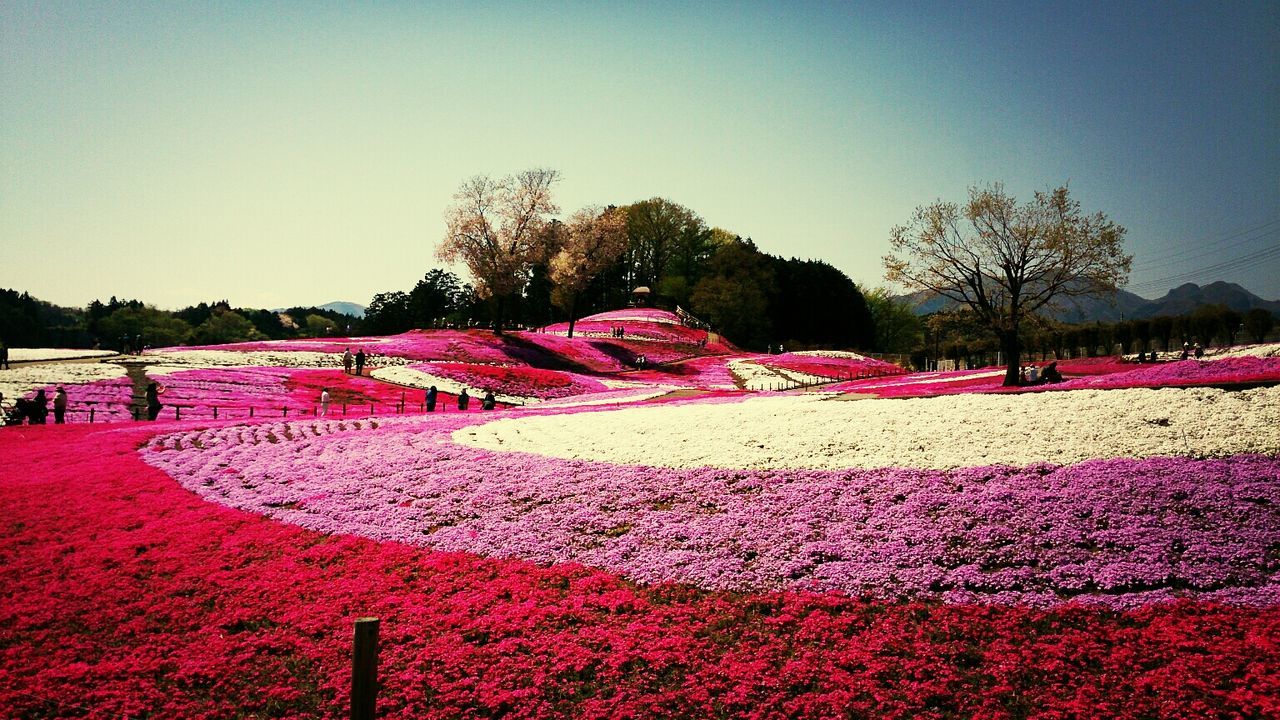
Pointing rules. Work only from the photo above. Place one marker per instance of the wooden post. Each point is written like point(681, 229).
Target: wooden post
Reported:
point(177, 412)
point(285, 409)
point(91, 409)
point(215, 412)
point(364, 669)
point(251, 412)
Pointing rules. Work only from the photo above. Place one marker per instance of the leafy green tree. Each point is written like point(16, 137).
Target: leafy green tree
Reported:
point(157, 327)
point(816, 305)
point(734, 296)
point(1258, 322)
point(1007, 261)
point(388, 313)
point(898, 328)
point(434, 297)
point(320, 326)
point(664, 236)
point(227, 326)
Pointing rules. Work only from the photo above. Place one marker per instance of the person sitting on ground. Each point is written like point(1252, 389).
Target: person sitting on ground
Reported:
point(489, 400)
point(1051, 374)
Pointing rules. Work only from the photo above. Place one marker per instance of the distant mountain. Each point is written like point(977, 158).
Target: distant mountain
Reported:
point(346, 308)
point(1126, 305)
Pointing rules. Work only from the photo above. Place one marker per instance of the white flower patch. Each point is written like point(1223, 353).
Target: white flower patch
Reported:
point(19, 381)
point(840, 354)
point(421, 380)
point(754, 376)
point(46, 354)
point(938, 433)
point(1268, 350)
point(203, 359)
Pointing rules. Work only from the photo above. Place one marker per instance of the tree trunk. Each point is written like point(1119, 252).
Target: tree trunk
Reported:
point(1012, 349)
point(572, 317)
point(498, 307)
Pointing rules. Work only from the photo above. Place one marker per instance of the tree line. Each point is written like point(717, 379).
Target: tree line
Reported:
point(117, 324)
point(530, 269)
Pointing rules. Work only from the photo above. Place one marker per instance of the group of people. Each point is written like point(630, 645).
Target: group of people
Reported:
point(1035, 375)
point(1189, 350)
point(35, 411)
point(489, 402)
point(618, 331)
point(358, 360)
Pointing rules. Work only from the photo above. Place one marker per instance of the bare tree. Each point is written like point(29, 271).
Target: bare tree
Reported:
point(594, 239)
point(495, 229)
point(1007, 261)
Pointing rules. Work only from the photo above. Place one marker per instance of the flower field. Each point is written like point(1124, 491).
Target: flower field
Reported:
point(651, 543)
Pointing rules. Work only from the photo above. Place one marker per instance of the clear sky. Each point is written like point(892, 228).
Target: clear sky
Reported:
point(296, 153)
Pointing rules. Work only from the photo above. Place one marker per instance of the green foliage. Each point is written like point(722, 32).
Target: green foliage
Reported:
point(734, 296)
point(226, 327)
point(156, 327)
point(320, 326)
point(898, 328)
point(1258, 323)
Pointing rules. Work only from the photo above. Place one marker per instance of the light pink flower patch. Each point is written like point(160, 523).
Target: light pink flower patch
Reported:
point(1118, 532)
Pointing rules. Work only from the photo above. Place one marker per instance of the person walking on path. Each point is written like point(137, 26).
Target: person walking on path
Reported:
point(39, 408)
point(463, 399)
point(488, 402)
point(153, 401)
point(346, 362)
point(431, 399)
point(324, 401)
point(60, 407)
point(360, 361)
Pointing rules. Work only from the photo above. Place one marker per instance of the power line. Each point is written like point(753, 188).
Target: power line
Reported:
point(1252, 258)
point(1217, 248)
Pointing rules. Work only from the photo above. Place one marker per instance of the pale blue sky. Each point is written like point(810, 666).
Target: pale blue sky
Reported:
point(296, 153)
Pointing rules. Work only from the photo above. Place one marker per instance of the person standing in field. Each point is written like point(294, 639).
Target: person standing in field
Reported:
point(463, 399)
point(346, 362)
point(153, 401)
point(39, 408)
point(360, 361)
point(4, 355)
point(431, 399)
point(60, 407)
point(324, 401)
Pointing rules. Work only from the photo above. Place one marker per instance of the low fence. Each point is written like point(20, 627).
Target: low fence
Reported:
point(94, 412)
point(828, 379)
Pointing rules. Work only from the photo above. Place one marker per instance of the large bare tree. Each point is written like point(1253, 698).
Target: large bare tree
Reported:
point(1007, 261)
point(495, 228)
point(594, 239)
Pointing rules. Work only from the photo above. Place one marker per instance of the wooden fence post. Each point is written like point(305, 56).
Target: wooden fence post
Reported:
point(177, 412)
point(215, 412)
point(364, 669)
point(91, 409)
point(250, 411)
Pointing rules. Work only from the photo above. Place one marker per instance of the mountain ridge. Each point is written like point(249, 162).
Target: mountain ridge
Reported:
point(1124, 305)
